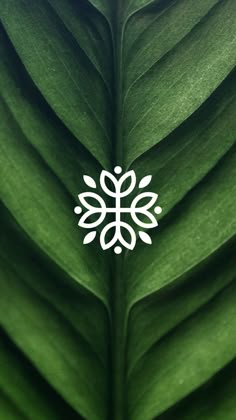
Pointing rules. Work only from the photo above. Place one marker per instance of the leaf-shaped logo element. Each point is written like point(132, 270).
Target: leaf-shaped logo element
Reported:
point(92, 210)
point(131, 244)
point(145, 181)
point(105, 230)
point(83, 199)
point(144, 210)
point(118, 237)
point(105, 177)
point(152, 199)
point(145, 237)
point(131, 178)
point(89, 181)
point(89, 237)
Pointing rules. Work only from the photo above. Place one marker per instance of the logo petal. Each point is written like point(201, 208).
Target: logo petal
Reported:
point(130, 245)
point(90, 225)
point(87, 205)
point(145, 237)
point(89, 237)
point(89, 181)
point(105, 245)
point(104, 177)
point(130, 175)
point(152, 196)
point(145, 181)
point(146, 225)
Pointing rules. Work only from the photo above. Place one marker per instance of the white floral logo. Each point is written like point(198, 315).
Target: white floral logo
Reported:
point(113, 232)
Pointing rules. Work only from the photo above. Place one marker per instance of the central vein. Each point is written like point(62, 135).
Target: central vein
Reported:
point(118, 283)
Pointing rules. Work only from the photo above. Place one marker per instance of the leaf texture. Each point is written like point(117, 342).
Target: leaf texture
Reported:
point(148, 85)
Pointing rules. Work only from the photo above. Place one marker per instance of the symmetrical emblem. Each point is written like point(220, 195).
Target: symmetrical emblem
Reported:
point(118, 231)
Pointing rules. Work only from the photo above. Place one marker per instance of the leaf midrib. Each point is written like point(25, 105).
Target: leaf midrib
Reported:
point(118, 295)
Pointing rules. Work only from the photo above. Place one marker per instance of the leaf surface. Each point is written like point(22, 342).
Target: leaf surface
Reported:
point(148, 85)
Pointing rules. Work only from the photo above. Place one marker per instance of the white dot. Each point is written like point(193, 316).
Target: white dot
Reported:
point(118, 169)
point(158, 210)
point(118, 250)
point(77, 210)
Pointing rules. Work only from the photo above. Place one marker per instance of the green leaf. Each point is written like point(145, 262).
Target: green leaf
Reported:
point(148, 85)
point(175, 358)
point(187, 75)
point(23, 393)
point(212, 401)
